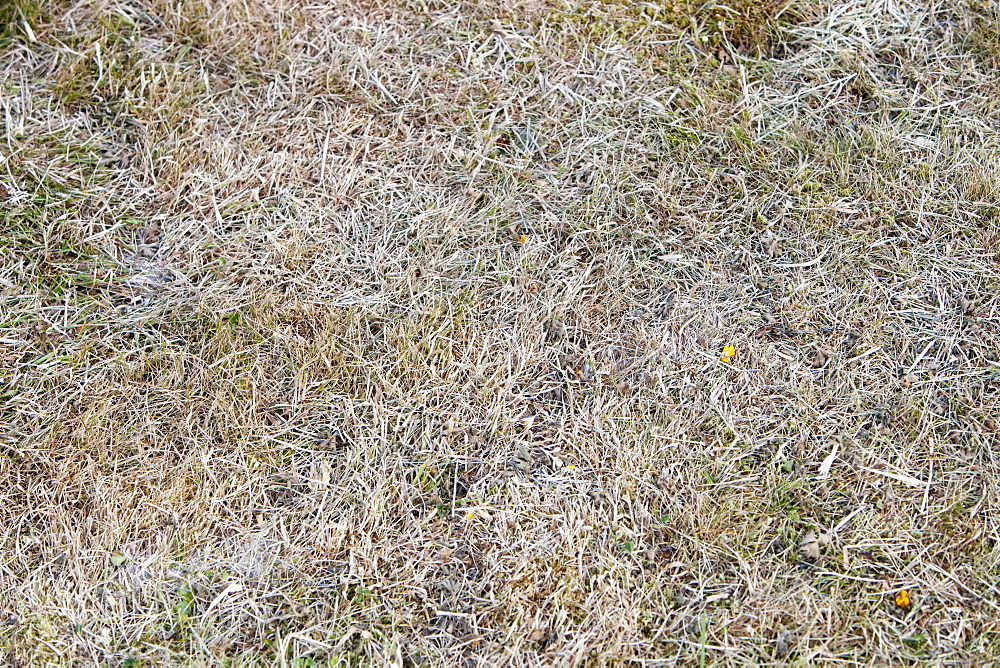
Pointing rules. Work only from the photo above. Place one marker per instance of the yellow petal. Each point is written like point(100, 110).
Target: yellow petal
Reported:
point(903, 598)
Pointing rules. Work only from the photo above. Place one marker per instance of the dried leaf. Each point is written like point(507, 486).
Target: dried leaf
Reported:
point(809, 546)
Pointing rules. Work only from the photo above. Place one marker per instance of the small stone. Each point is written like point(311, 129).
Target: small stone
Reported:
point(785, 641)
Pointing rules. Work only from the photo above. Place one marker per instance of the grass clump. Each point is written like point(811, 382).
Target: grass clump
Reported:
point(19, 19)
point(749, 26)
point(984, 35)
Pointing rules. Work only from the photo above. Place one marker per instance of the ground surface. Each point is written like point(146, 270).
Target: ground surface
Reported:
point(396, 332)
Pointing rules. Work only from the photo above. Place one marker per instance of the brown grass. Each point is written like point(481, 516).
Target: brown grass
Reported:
point(391, 333)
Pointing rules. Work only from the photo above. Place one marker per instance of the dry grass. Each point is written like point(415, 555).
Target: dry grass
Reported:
point(391, 333)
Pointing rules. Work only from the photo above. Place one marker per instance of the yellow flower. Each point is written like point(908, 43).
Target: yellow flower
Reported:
point(727, 353)
point(903, 598)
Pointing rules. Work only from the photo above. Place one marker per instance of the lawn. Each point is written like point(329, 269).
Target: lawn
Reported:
point(527, 332)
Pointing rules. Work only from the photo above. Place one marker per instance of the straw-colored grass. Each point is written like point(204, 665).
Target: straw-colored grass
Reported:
point(392, 332)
